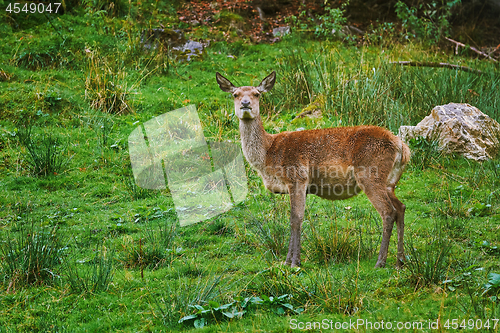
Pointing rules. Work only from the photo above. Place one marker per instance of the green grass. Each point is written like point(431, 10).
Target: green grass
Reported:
point(123, 263)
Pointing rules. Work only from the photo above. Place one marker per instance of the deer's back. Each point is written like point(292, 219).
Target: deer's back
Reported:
point(345, 145)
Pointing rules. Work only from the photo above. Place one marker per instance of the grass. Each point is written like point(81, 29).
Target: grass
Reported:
point(122, 263)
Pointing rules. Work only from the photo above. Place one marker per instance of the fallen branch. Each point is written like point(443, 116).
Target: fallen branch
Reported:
point(494, 50)
point(471, 47)
point(436, 64)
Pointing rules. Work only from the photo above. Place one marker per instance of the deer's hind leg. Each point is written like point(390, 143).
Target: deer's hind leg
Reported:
point(400, 223)
point(381, 198)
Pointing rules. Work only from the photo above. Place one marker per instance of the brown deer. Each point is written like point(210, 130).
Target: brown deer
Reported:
point(332, 163)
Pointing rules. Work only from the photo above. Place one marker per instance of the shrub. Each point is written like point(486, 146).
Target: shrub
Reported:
point(431, 25)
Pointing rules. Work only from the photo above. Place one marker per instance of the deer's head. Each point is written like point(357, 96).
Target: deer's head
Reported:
point(246, 98)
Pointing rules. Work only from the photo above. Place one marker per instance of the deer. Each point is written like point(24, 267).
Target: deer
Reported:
point(332, 163)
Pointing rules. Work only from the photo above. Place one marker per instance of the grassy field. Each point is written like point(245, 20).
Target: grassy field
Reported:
point(83, 248)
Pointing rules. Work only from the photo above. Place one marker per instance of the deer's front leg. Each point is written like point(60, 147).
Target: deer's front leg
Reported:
point(297, 204)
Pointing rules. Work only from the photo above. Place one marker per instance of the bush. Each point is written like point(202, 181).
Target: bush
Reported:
point(431, 25)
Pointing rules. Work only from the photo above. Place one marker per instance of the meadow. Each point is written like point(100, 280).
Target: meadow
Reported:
point(83, 248)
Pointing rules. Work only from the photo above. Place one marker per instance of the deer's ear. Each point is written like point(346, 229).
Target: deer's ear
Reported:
point(268, 83)
point(225, 84)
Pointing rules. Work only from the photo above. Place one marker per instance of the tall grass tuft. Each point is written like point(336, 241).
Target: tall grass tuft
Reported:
point(279, 280)
point(332, 243)
point(105, 86)
point(180, 301)
point(385, 94)
point(135, 192)
point(424, 152)
point(154, 249)
point(428, 264)
point(337, 295)
point(327, 241)
point(31, 255)
point(91, 276)
point(271, 229)
point(45, 152)
point(297, 79)
point(314, 289)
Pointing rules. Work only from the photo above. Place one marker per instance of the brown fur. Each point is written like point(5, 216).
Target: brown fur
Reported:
point(333, 163)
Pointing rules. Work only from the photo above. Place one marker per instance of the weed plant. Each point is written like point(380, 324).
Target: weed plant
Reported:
point(476, 303)
point(187, 296)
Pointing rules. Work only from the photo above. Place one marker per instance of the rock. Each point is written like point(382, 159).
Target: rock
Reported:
point(281, 31)
point(190, 49)
point(458, 128)
point(352, 30)
point(151, 38)
point(313, 110)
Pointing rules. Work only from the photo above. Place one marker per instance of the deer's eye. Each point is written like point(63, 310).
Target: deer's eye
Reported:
point(236, 95)
point(256, 94)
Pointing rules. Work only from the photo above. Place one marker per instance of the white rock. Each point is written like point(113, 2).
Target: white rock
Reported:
point(458, 128)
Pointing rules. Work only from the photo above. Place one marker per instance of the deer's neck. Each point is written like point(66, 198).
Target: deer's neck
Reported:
point(255, 142)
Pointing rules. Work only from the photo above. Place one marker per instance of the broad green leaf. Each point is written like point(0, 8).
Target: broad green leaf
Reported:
point(200, 323)
point(494, 279)
point(213, 304)
point(183, 319)
point(224, 307)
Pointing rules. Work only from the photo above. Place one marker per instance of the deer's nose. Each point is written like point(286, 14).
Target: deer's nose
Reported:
point(245, 103)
